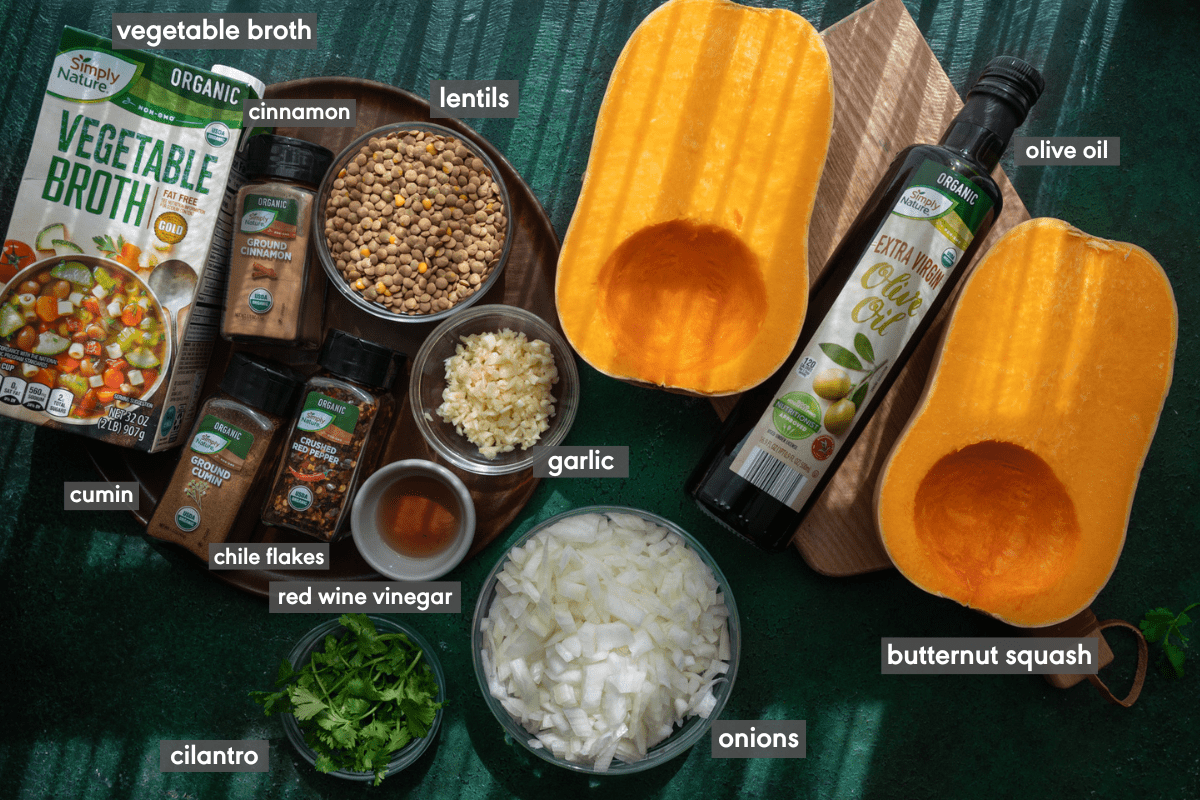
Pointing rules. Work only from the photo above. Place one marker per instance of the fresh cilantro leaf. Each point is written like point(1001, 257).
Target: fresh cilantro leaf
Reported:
point(1160, 624)
point(285, 673)
point(1156, 623)
point(1174, 657)
point(305, 704)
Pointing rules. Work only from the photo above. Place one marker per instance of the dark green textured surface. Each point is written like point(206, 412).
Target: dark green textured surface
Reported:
point(115, 643)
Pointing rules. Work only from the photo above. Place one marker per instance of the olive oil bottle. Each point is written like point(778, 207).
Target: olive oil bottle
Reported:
point(883, 287)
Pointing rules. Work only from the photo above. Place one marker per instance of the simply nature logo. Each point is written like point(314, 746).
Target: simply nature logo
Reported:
point(90, 75)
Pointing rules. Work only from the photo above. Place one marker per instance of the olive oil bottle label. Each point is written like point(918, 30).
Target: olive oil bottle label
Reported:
point(894, 283)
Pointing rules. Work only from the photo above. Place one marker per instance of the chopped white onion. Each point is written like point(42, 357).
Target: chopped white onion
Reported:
point(605, 634)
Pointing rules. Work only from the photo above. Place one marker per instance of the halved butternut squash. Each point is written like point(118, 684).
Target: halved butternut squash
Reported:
point(686, 261)
point(1010, 489)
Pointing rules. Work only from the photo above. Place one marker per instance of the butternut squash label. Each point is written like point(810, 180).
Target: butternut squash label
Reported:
point(877, 312)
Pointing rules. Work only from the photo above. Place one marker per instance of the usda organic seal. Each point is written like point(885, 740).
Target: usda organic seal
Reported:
point(216, 134)
point(300, 498)
point(261, 301)
point(187, 519)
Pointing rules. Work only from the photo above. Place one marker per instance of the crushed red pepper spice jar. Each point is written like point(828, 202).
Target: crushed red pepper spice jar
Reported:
point(336, 437)
point(228, 455)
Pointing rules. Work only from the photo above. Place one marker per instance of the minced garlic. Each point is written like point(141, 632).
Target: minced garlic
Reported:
point(498, 391)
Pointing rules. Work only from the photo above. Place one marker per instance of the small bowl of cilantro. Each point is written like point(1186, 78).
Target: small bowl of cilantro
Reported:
point(361, 697)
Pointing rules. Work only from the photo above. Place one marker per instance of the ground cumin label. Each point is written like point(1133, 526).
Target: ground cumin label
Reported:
point(223, 462)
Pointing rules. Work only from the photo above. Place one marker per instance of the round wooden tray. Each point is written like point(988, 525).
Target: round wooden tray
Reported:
point(527, 281)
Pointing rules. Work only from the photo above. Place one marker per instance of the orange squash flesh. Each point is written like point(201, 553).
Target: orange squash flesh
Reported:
point(1010, 489)
point(686, 261)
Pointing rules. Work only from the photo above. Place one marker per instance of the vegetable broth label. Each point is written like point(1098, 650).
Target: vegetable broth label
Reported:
point(217, 439)
point(127, 173)
point(893, 285)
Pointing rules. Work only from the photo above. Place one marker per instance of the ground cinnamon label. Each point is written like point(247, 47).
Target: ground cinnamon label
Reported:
point(273, 296)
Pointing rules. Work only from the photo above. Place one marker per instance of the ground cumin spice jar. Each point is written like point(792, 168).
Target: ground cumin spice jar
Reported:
point(335, 438)
point(273, 297)
point(235, 436)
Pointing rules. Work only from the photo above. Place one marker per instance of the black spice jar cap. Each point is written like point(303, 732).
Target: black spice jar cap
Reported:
point(358, 360)
point(1013, 79)
point(274, 156)
point(264, 385)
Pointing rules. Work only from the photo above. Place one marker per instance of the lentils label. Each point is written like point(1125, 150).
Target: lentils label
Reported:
point(415, 222)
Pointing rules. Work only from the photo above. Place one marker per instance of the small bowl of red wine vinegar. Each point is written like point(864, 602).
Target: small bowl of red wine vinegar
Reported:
point(413, 520)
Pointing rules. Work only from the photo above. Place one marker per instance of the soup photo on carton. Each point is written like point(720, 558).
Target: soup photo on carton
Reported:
point(106, 328)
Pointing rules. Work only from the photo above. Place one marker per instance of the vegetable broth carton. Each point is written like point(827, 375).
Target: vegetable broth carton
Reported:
point(114, 265)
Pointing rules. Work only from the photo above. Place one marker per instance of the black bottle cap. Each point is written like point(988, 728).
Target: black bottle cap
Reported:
point(284, 157)
point(264, 385)
point(358, 360)
point(1012, 79)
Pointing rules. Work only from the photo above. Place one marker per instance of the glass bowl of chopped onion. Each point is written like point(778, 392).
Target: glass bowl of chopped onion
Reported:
point(606, 640)
point(489, 385)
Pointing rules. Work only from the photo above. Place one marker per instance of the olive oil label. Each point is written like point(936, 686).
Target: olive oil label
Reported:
point(921, 242)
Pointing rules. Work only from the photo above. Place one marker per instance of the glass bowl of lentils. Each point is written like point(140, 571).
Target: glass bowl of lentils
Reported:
point(412, 222)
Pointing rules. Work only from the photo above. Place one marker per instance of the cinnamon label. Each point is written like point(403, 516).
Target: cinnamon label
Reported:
point(267, 269)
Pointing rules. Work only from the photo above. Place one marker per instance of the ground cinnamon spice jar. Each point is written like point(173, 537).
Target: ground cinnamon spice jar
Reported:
point(335, 438)
point(222, 464)
point(273, 296)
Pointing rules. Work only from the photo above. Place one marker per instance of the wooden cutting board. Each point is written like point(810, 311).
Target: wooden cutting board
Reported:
point(889, 92)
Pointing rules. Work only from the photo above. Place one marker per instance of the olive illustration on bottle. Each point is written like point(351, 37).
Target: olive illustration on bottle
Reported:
point(839, 416)
point(832, 383)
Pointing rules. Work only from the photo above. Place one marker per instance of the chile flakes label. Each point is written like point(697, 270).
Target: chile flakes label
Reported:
point(320, 462)
point(328, 418)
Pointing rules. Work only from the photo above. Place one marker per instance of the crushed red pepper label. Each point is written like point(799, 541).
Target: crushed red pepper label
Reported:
point(328, 418)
